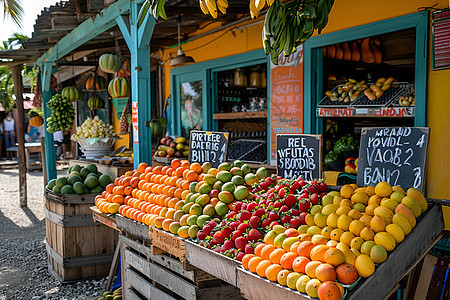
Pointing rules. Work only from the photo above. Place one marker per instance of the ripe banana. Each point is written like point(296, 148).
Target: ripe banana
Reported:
point(223, 3)
point(260, 4)
point(221, 7)
point(254, 12)
point(212, 8)
point(203, 7)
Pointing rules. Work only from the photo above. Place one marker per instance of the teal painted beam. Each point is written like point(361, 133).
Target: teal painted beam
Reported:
point(124, 30)
point(86, 31)
point(145, 31)
point(421, 71)
point(141, 85)
point(50, 157)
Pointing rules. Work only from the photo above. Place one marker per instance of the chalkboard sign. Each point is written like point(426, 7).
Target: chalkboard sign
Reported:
point(396, 155)
point(299, 154)
point(208, 146)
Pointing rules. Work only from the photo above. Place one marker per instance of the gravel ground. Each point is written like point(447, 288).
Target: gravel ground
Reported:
point(23, 259)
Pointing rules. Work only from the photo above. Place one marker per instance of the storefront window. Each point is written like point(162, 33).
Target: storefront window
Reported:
point(191, 107)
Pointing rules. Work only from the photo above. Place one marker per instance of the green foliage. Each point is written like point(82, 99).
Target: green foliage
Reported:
point(14, 10)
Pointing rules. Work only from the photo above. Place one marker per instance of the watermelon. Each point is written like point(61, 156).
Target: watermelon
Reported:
point(119, 88)
point(109, 63)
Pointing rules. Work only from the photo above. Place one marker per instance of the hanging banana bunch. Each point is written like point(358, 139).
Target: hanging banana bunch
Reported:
point(210, 7)
point(156, 8)
point(288, 26)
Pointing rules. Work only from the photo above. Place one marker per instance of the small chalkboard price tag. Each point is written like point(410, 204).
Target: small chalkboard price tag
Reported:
point(299, 154)
point(208, 146)
point(396, 155)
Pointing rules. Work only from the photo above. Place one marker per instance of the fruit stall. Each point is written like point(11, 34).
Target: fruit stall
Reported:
point(193, 231)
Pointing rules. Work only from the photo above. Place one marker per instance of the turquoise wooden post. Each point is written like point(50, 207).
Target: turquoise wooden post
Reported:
point(138, 40)
point(50, 158)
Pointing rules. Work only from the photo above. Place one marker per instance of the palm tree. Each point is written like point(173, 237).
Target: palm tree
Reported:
point(14, 10)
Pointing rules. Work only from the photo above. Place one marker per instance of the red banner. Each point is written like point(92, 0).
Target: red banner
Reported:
point(286, 97)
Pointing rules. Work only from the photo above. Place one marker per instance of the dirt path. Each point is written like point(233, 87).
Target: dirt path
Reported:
point(23, 259)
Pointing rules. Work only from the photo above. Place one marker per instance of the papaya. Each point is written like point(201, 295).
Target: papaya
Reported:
point(346, 50)
point(404, 210)
point(413, 205)
point(375, 46)
point(366, 53)
point(331, 51)
point(356, 56)
point(369, 95)
point(416, 194)
point(339, 52)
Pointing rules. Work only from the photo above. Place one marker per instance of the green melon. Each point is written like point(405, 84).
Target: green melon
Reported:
point(51, 184)
point(67, 189)
point(84, 172)
point(91, 182)
point(56, 189)
point(76, 168)
point(60, 182)
point(79, 188)
point(96, 190)
point(104, 180)
point(73, 179)
point(92, 168)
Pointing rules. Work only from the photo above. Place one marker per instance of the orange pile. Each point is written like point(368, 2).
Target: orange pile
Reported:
point(149, 192)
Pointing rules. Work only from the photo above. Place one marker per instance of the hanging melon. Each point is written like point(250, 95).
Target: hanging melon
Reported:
point(72, 93)
point(96, 83)
point(36, 121)
point(96, 102)
point(119, 88)
point(109, 63)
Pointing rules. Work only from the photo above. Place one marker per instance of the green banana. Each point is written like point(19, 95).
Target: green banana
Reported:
point(143, 12)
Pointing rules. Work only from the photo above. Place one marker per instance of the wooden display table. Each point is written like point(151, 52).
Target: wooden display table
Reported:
point(112, 170)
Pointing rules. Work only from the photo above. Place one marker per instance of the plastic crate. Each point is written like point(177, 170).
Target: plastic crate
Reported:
point(443, 244)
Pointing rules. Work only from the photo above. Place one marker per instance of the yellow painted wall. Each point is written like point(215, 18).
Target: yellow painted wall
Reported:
point(347, 14)
point(125, 141)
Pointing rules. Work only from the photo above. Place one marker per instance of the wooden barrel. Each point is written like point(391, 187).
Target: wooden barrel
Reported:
point(77, 247)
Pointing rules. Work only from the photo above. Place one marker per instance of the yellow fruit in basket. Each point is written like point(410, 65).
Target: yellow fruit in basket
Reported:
point(389, 203)
point(326, 231)
point(360, 197)
point(346, 238)
point(402, 222)
point(327, 199)
point(343, 210)
point(330, 208)
point(366, 246)
point(336, 234)
point(370, 190)
point(347, 191)
point(378, 254)
point(313, 230)
point(396, 231)
point(356, 242)
point(386, 240)
point(403, 209)
point(374, 199)
point(332, 220)
point(397, 196)
point(316, 209)
point(354, 186)
point(367, 234)
point(337, 199)
point(364, 265)
point(377, 224)
point(383, 189)
point(370, 209)
point(413, 205)
point(300, 285)
point(344, 222)
point(397, 188)
point(356, 226)
point(365, 218)
point(346, 202)
point(320, 220)
point(359, 206)
point(384, 213)
point(354, 214)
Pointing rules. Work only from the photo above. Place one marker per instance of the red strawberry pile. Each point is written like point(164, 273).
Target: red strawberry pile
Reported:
point(277, 201)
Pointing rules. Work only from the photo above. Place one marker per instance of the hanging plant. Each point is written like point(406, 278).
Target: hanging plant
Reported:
point(289, 25)
point(109, 63)
point(119, 88)
point(72, 93)
point(156, 8)
point(96, 83)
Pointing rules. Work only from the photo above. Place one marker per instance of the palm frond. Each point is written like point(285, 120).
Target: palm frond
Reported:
point(14, 10)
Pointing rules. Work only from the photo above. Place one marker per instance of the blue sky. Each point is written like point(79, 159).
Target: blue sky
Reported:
point(32, 10)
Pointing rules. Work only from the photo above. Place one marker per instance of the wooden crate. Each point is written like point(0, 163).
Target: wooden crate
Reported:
point(77, 247)
point(132, 228)
point(151, 276)
point(380, 284)
point(165, 242)
point(211, 262)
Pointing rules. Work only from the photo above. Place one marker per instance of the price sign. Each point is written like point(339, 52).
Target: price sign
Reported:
point(207, 146)
point(396, 155)
point(299, 154)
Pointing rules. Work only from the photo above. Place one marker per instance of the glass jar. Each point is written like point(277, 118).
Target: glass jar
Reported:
point(239, 77)
point(263, 79)
point(255, 78)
